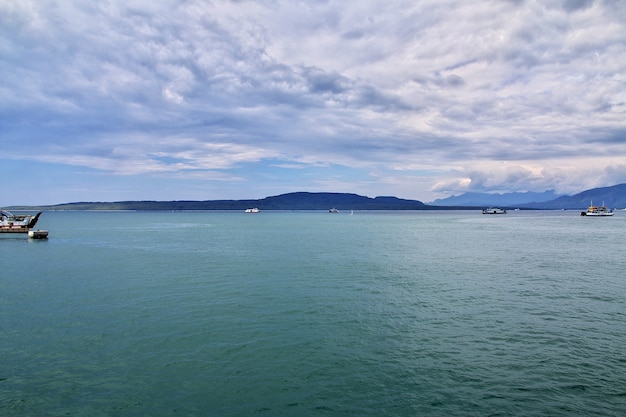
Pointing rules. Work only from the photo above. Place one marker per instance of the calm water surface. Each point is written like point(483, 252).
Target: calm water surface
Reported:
point(315, 314)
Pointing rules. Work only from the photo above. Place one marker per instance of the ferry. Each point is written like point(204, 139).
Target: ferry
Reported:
point(251, 210)
point(597, 211)
point(494, 210)
point(17, 223)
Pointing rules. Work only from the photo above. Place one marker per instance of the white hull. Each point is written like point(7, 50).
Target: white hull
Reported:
point(597, 211)
point(494, 210)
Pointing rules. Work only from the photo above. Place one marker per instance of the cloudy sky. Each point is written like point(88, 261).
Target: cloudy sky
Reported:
point(421, 99)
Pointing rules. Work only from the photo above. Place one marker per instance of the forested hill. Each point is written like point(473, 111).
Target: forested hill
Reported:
point(290, 201)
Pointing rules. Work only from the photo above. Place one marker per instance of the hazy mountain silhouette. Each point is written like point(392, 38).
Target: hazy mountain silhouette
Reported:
point(505, 199)
point(613, 197)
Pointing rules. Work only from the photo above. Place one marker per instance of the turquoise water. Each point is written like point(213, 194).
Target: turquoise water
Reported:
point(314, 314)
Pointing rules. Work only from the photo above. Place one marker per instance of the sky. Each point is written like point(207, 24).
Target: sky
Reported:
point(202, 100)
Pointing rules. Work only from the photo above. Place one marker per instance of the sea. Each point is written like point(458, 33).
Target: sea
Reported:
point(308, 313)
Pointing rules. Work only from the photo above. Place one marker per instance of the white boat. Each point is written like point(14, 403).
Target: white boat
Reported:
point(17, 223)
point(252, 210)
point(494, 210)
point(333, 210)
point(597, 211)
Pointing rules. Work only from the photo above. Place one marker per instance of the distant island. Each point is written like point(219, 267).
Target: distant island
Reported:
point(290, 201)
point(614, 196)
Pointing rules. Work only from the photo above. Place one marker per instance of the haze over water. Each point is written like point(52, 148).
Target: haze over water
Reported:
point(313, 314)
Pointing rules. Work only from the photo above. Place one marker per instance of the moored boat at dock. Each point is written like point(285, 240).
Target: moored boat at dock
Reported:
point(17, 223)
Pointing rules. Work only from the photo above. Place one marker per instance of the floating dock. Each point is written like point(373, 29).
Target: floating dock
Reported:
point(38, 234)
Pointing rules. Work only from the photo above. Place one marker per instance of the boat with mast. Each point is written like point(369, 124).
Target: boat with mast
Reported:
point(597, 211)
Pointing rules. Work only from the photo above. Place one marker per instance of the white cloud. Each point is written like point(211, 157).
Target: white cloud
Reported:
point(512, 95)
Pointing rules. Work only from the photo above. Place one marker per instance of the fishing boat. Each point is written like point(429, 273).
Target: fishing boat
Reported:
point(494, 210)
point(597, 211)
point(17, 223)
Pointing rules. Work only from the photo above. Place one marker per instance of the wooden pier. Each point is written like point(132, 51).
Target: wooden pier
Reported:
point(34, 234)
point(9, 229)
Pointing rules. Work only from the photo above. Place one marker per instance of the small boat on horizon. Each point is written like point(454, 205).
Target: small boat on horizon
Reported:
point(252, 210)
point(494, 210)
point(597, 211)
point(333, 210)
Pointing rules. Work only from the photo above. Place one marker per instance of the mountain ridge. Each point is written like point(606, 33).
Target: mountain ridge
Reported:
point(300, 200)
point(612, 196)
point(496, 199)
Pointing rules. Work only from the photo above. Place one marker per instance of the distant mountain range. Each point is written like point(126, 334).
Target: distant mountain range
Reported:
point(486, 199)
point(613, 197)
